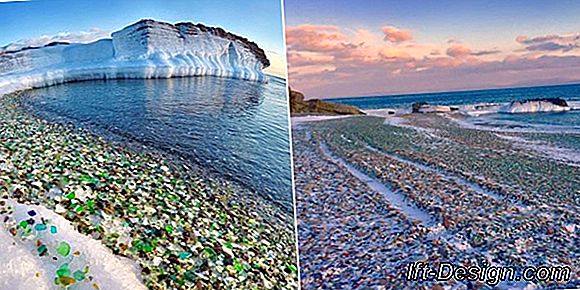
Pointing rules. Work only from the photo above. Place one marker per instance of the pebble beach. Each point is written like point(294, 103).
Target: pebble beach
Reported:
point(487, 199)
point(180, 227)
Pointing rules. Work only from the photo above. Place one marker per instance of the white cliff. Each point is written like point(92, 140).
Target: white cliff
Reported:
point(146, 49)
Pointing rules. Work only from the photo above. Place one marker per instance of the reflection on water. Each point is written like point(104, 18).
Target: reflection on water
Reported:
point(235, 128)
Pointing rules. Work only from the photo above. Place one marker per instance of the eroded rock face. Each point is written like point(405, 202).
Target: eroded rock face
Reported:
point(179, 38)
point(297, 103)
point(536, 105)
point(190, 28)
point(299, 106)
point(145, 49)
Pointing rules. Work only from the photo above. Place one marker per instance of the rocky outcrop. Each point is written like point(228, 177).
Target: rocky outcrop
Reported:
point(299, 106)
point(536, 105)
point(185, 31)
point(423, 107)
point(194, 29)
point(145, 49)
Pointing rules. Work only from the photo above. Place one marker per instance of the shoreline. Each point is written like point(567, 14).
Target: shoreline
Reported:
point(141, 146)
point(396, 117)
point(224, 225)
point(465, 109)
point(491, 201)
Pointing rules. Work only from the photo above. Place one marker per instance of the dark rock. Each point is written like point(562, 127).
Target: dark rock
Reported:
point(423, 107)
point(54, 43)
point(300, 106)
point(417, 106)
point(556, 101)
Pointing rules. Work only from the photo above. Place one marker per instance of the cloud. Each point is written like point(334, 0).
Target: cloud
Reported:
point(320, 43)
point(320, 38)
point(552, 46)
point(435, 52)
point(486, 52)
point(393, 53)
point(439, 74)
point(331, 61)
point(310, 44)
point(81, 37)
point(306, 59)
point(552, 42)
point(9, 1)
point(458, 51)
point(396, 35)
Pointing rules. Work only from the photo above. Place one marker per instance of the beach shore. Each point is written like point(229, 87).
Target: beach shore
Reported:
point(487, 198)
point(181, 227)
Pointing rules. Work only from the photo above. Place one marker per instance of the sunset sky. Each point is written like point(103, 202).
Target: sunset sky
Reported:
point(359, 48)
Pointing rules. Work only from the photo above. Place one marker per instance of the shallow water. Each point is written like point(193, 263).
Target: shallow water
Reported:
point(236, 129)
point(559, 120)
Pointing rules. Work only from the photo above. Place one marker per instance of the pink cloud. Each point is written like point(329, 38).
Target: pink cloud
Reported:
point(442, 74)
point(307, 59)
point(311, 37)
point(396, 35)
point(329, 61)
point(521, 38)
point(458, 51)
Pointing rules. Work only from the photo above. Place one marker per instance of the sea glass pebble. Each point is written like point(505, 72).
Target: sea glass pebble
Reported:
point(40, 227)
point(79, 275)
point(63, 249)
point(184, 255)
point(63, 270)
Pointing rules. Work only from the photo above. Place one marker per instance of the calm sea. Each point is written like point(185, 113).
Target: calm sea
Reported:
point(237, 129)
point(567, 92)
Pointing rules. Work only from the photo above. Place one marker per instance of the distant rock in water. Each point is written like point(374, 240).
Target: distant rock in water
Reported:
point(298, 106)
point(145, 49)
point(416, 107)
point(536, 105)
point(424, 107)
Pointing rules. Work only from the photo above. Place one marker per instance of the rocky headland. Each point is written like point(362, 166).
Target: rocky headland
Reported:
point(300, 106)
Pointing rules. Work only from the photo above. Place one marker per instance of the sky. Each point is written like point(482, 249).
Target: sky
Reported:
point(85, 20)
point(339, 48)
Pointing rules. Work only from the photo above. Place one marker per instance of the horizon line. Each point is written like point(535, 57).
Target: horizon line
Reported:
point(572, 83)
